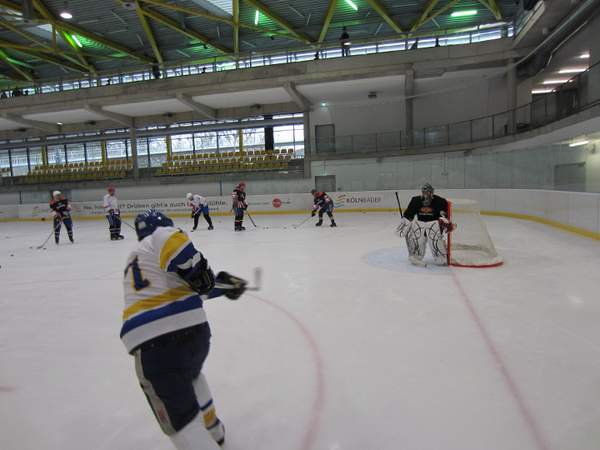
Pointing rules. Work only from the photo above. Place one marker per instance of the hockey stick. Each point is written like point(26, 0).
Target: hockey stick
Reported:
point(251, 219)
point(303, 222)
point(399, 207)
point(50, 235)
point(257, 282)
point(130, 226)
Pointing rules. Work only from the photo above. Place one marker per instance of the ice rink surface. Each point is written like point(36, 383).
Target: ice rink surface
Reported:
point(347, 347)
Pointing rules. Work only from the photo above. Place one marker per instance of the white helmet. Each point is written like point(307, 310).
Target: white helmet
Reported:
point(189, 196)
point(56, 193)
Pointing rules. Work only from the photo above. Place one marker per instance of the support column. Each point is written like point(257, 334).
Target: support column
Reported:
point(241, 142)
point(307, 146)
point(134, 154)
point(44, 155)
point(593, 78)
point(103, 149)
point(409, 90)
point(269, 136)
point(169, 147)
point(511, 91)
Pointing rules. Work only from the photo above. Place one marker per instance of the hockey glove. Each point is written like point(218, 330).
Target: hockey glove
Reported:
point(200, 277)
point(445, 225)
point(238, 285)
point(402, 229)
point(313, 213)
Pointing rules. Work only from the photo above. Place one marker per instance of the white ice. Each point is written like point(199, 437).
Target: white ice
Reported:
point(347, 347)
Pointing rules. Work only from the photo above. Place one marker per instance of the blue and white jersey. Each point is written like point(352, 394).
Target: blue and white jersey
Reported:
point(158, 300)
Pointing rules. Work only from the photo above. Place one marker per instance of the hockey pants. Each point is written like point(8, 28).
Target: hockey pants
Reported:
point(169, 371)
point(114, 224)
point(58, 224)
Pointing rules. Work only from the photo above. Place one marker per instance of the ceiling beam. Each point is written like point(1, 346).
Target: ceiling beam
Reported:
point(280, 20)
point(82, 59)
point(149, 34)
point(42, 126)
point(297, 97)
point(493, 7)
point(75, 29)
point(204, 110)
point(44, 56)
point(427, 15)
point(236, 26)
point(424, 14)
point(115, 117)
point(15, 67)
point(327, 21)
point(191, 11)
point(380, 9)
point(188, 32)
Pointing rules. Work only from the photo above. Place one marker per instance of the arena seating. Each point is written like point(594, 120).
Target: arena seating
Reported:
point(187, 164)
point(179, 164)
point(94, 170)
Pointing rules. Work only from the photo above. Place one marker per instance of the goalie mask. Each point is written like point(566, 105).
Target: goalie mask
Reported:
point(427, 194)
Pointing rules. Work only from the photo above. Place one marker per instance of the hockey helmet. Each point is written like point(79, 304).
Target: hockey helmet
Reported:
point(189, 196)
point(427, 188)
point(313, 191)
point(56, 194)
point(111, 189)
point(147, 222)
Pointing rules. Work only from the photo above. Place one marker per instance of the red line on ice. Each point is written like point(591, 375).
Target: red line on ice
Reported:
point(532, 425)
point(308, 440)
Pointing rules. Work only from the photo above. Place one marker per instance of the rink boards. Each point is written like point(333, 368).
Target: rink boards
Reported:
point(571, 211)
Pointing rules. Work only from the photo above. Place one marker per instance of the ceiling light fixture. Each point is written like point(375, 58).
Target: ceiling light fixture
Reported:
point(464, 13)
point(579, 143)
point(573, 70)
point(352, 5)
point(556, 81)
point(65, 13)
point(541, 91)
point(77, 41)
point(256, 17)
point(324, 104)
point(585, 55)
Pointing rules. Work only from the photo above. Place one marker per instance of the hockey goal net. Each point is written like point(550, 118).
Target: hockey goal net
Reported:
point(470, 244)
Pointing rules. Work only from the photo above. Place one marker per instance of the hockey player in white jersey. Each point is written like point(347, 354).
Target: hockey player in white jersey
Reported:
point(199, 207)
point(426, 221)
point(113, 214)
point(166, 330)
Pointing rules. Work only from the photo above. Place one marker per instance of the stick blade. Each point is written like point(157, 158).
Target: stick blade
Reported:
point(257, 277)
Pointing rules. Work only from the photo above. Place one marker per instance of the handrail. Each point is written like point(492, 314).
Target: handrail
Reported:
point(443, 38)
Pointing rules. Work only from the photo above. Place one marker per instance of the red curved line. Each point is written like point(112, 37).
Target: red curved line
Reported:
point(314, 424)
point(481, 266)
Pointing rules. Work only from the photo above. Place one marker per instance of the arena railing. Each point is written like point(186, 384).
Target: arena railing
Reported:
point(578, 93)
point(442, 38)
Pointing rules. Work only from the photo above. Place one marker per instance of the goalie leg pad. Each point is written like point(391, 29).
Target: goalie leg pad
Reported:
point(437, 243)
point(416, 240)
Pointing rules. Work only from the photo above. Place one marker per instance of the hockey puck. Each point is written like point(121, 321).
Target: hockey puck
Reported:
point(12, 254)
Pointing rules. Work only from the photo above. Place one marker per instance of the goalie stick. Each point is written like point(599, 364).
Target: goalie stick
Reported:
point(257, 282)
point(399, 207)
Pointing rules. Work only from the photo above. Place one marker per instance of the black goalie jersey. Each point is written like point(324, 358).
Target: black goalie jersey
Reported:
point(436, 209)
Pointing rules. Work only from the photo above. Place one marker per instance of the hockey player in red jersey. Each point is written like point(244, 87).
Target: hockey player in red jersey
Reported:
point(322, 205)
point(426, 221)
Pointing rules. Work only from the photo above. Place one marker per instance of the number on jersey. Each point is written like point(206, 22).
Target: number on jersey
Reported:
point(139, 282)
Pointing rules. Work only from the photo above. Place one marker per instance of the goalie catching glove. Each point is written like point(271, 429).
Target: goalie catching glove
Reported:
point(233, 287)
point(445, 225)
